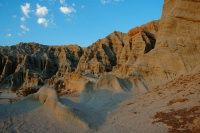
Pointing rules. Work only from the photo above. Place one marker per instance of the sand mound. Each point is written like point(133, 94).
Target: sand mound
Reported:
point(104, 96)
point(41, 107)
point(108, 89)
point(48, 96)
point(95, 102)
point(112, 83)
point(89, 113)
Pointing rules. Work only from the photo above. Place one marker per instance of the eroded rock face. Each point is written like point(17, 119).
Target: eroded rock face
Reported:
point(177, 46)
point(118, 49)
point(29, 64)
point(149, 55)
point(142, 41)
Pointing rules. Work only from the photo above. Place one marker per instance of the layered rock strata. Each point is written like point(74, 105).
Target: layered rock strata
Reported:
point(29, 65)
point(177, 46)
point(147, 56)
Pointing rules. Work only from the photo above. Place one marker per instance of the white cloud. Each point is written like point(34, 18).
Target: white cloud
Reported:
point(23, 27)
point(73, 4)
point(26, 9)
point(62, 1)
point(43, 21)
point(41, 11)
point(105, 1)
point(23, 19)
point(9, 35)
point(67, 10)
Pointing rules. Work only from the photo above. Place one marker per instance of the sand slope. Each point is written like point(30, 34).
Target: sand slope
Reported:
point(170, 107)
point(89, 114)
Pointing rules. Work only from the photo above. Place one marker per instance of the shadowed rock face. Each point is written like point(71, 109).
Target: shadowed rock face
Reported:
point(118, 49)
point(28, 65)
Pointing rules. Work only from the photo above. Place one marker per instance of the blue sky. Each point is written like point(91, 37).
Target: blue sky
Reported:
point(63, 22)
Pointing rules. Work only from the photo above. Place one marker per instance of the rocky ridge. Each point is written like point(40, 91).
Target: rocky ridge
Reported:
point(149, 76)
point(149, 55)
point(177, 46)
point(68, 68)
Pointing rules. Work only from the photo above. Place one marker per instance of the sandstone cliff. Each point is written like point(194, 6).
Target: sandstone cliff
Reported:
point(147, 56)
point(119, 50)
point(177, 46)
point(28, 65)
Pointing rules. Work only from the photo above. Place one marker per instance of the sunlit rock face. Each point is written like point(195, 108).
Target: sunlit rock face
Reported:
point(118, 51)
point(153, 53)
point(31, 65)
point(177, 45)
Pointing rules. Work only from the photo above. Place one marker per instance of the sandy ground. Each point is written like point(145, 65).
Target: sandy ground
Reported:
point(139, 114)
point(173, 107)
point(7, 96)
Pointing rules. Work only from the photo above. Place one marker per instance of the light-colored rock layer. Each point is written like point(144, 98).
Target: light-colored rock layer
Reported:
point(177, 46)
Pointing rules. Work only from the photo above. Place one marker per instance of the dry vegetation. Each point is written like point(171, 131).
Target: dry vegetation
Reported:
point(181, 120)
point(177, 100)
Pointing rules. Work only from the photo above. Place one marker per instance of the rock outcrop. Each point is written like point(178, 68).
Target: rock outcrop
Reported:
point(149, 55)
point(119, 50)
point(177, 45)
point(149, 76)
point(67, 68)
point(28, 65)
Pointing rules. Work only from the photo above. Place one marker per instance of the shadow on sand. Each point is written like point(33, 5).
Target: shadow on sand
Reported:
point(94, 105)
